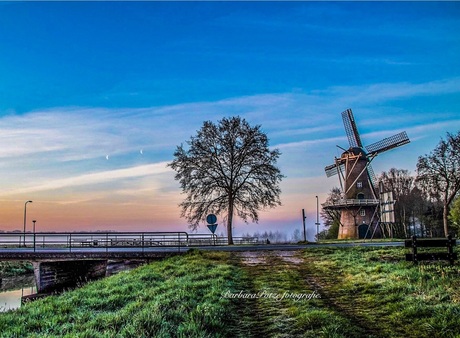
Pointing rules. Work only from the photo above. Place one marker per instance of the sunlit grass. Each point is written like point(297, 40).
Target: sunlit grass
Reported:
point(399, 299)
point(179, 297)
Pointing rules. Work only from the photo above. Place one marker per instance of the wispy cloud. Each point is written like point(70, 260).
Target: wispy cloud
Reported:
point(302, 144)
point(382, 92)
point(95, 178)
point(95, 132)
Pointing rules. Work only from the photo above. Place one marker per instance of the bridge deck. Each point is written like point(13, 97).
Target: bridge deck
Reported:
point(92, 253)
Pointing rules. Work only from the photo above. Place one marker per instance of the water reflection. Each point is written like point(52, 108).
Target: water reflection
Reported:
point(13, 289)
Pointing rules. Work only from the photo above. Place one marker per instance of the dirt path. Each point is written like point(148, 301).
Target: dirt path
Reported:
point(339, 301)
point(256, 313)
point(281, 272)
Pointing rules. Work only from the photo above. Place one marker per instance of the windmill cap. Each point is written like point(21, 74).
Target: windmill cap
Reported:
point(355, 151)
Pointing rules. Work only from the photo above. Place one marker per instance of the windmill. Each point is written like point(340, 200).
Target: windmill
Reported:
point(359, 202)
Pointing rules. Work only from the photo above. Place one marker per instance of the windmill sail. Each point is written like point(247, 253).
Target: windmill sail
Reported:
point(333, 169)
point(387, 143)
point(350, 128)
point(372, 177)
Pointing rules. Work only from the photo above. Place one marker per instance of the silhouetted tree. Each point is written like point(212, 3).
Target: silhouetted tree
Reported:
point(438, 173)
point(401, 183)
point(331, 218)
point(420, 205)
point(227, 168)
point(297, 236)
point(454, 216)
point(433, 218)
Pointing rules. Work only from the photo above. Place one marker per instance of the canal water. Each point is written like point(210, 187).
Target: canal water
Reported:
point(12, 289)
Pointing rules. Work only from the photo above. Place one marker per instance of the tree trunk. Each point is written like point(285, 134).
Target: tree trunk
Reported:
point(230, 221)
point(445, 213)
point(404, 222)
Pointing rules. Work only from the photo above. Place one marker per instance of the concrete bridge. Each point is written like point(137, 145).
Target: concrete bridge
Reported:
point(66, 259)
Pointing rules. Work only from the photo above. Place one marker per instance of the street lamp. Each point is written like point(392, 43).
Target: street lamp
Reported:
point(34, 224)
point(317, 219)
point(25, 217)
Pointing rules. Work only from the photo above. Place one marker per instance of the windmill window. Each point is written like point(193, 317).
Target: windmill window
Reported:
point(360, 196)
point(359, 185)
point(362, 212)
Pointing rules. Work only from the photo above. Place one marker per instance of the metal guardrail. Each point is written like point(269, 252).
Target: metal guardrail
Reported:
point(71, 241)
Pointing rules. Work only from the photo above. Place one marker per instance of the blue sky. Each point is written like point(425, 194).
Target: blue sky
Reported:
point(94, 97)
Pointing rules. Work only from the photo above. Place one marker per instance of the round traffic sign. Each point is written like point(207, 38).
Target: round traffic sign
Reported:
point(211, 219)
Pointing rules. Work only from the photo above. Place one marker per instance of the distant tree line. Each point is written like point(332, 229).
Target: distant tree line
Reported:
point(276, 236)
point(427, 203)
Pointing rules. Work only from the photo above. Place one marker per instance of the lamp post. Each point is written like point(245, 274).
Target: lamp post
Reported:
point(25, 217)
point(34, 233)
point(317, 219)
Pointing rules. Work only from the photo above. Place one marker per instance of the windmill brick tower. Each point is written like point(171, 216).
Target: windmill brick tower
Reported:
point(359, 203)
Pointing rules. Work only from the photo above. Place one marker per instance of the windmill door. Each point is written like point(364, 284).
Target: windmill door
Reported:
point(363, 231)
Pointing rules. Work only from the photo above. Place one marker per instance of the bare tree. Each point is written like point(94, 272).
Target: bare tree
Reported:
point(401, 183)
point(454, 216)
point(331, 218)
point(439, 173)
point(228, 168)
point(297, 236)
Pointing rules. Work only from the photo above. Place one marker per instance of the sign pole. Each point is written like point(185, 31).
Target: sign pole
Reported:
point(212, 225)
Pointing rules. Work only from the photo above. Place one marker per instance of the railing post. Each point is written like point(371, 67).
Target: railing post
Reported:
point(70, 242)
point(143, 238)
point(450, 250)
point(34, 241)
point(414, 249)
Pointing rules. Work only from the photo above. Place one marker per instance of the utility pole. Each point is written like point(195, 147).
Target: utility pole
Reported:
point(304, 227)
point(317, 219)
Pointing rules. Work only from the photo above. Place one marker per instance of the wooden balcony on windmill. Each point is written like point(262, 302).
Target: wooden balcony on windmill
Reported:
point(342, 203)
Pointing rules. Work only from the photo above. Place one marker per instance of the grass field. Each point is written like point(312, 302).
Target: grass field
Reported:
point(319, 292)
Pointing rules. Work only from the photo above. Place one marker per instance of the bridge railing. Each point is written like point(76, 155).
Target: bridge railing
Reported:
point(111, 240)
point(94, 240)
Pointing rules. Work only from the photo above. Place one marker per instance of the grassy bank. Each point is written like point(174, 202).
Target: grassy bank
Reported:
point(382, 292)
point(176, 297)
point(354, 292)
point(14, 268)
